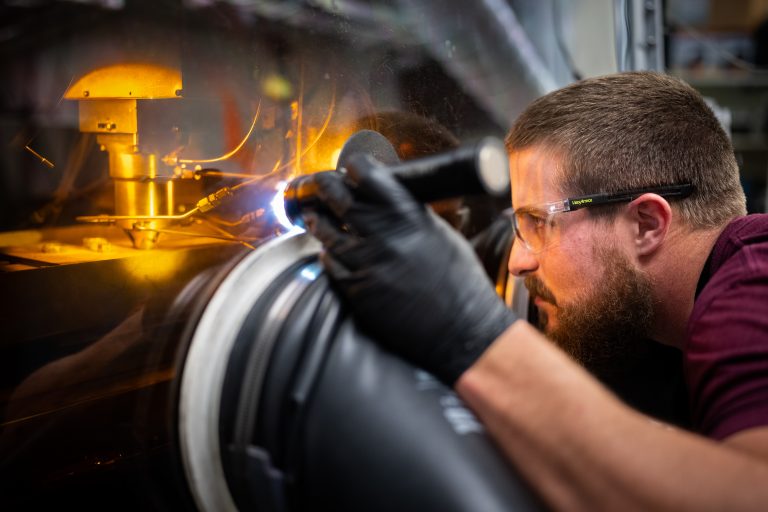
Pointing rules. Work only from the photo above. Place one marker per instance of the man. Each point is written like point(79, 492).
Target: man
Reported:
point(630, 224)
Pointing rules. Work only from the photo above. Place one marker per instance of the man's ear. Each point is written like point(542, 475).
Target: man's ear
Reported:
point(651, 216)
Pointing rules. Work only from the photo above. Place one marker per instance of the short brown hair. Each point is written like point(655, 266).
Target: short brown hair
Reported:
point(634, 130)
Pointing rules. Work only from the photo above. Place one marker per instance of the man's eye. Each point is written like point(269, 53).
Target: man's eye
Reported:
point(535, 222)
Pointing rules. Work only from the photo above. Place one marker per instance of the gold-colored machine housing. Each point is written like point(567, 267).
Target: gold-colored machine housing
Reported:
point(110, 102)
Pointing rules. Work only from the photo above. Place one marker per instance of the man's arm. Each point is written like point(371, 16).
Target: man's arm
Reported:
point(580, 447)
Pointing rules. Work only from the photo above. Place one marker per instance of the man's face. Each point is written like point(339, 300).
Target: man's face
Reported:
point(592, 301)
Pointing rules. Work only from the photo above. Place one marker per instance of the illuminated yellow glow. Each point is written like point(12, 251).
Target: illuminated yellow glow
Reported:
point(151, 199)
point(277, 87)
point(161, 265)
point(335, 158)
point(170, 194)
point(133, 80)
point(325, 154)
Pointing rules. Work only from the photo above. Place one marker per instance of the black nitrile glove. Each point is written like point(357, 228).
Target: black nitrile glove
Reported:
point(412, 282)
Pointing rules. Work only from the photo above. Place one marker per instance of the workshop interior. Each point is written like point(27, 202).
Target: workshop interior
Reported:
point(169, 340)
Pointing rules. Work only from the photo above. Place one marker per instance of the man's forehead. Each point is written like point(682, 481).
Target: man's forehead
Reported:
point(533, 175)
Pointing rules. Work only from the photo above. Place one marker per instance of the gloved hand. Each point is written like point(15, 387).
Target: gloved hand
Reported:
point(412, 282)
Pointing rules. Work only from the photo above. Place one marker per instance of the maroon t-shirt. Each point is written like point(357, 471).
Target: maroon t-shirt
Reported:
point(726, 348)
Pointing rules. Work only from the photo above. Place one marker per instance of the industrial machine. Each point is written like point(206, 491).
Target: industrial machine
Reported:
point(169, 340)
point(225, 377)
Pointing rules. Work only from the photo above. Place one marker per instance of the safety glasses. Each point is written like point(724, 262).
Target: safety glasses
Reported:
point(532, 224)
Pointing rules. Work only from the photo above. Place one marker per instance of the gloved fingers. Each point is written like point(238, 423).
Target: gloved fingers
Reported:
point(346, 248)
point(327, 230)
point(368, 199)
point(332, 238)
point(375, 184)
point(382, 205)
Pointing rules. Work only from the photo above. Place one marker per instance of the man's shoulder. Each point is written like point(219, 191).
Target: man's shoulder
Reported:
point(726, 348)
point(746, 230)
point(736, 278)
point(742, 246)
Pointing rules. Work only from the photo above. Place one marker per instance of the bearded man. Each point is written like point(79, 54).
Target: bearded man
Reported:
point(630, 224)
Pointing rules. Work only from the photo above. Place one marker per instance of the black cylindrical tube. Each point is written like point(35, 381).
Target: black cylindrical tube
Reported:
point(477, 169)
point(337, 423)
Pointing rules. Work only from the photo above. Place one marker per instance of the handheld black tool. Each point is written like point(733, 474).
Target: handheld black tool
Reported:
point(474, 169)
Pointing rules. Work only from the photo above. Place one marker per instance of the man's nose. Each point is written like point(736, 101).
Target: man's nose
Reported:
point(521, 260)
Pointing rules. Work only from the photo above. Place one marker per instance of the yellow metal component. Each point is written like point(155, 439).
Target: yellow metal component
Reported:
point(109, 107)
point(136, 80)
point(109, 116)
point(144, 234)
point(144, 199)
point(213, 200)
point(125, 163)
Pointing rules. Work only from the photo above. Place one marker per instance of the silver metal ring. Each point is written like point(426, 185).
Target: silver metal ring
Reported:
point(206, 364)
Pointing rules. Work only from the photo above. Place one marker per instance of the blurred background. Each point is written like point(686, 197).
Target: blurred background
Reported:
point(721, 48)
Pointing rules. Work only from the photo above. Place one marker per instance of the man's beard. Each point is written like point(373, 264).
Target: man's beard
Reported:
point(607, 331)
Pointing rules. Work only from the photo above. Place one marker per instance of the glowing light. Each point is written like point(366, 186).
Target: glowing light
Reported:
point(335, 158)
point(277, 87)
point(278, 207)
point(159, 266)
point(308, 273)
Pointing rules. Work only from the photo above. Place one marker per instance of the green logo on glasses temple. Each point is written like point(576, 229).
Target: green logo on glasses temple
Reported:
point(626, 196)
